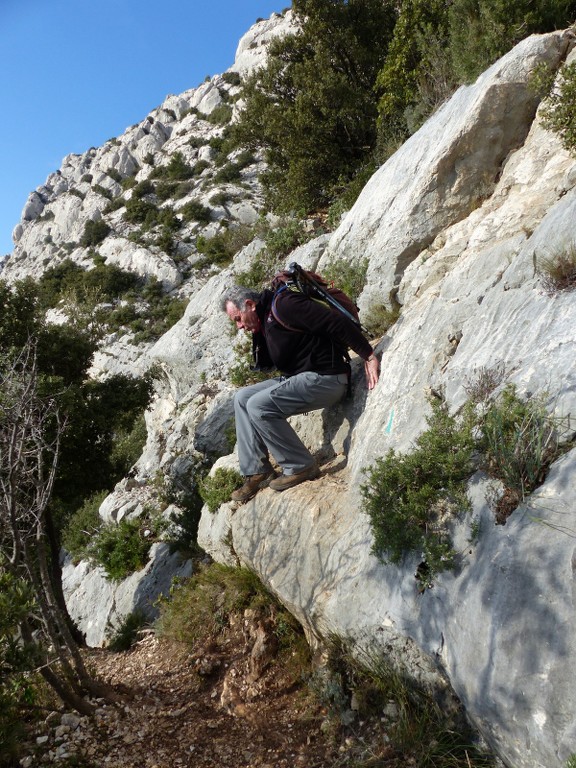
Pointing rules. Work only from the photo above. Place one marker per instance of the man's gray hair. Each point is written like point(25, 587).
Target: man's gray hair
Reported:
point(238, 295)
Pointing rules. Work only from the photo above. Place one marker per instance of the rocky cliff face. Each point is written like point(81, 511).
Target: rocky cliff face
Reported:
point(453, 227)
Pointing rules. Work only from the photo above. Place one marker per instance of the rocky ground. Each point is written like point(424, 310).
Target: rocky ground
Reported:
point(233, 702)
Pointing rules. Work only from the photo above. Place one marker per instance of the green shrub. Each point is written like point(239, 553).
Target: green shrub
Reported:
point(166, 189)
point(232, 78)
point(102, 191)
point(177, 169)
point(197, 141)
point(120, 548)
point(114, 205)
point(167, 218)
point(129, 182)
point(215, 489)
point(160, 315)
point(284, 238)
point(222, 146)
point(183, 527)
point(559, 110)
point(18, 689)
point(195, 211)
point(143, 188)
point(228, 173)
point(223, 198)
point(348, 276)
point(115, 174)
point(199, 167)
point(242, 374)
point(312, 109)
point(421, 28)
point(345, 195)
point(380, 319)
point(165, 240)
point(262, 268)
point(203, 605)
point(483, 30)
point(128, 445)
point(140, 211)
point(519, 440)
point(108, 280)
point(221, 248)
point(220, 115)
point(82, 526)
point(412, 498)
point(244, 159)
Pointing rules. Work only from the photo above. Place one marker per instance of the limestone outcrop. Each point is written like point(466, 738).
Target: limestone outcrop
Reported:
point(460, 258)
point(454, 227)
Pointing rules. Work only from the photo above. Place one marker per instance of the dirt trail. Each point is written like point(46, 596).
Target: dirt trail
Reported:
point(228, 704)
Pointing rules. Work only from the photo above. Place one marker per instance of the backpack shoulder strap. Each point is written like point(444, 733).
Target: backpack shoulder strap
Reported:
point(274, 309)
point(282, 291)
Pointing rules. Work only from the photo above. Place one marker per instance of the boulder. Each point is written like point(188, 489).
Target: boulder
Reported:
point(99, 606)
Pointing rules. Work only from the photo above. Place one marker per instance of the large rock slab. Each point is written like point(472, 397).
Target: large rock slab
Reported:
point(444, 169)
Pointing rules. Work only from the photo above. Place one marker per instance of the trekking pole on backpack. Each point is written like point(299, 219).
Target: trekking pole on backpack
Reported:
point(307, 285)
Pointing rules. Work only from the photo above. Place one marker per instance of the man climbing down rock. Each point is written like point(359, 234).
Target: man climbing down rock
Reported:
point(306, 341)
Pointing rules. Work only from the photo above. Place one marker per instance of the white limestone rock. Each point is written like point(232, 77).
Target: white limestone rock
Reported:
point(445, 168)
point(141, 261)
point(252, 48)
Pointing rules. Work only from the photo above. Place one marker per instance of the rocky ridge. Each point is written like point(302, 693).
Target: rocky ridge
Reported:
point(453, 226)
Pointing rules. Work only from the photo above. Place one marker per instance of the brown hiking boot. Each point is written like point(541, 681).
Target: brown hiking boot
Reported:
point(252, 484)
point(289, 481)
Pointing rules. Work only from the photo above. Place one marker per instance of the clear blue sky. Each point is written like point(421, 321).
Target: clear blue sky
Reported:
point(75, 73)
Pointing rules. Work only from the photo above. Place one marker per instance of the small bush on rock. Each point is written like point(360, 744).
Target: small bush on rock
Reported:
point(380, 319)
point(82, 526)
point(412, 499)
point(216, 489)
point(221, 248)
point(195, 211)
point(205, 605)
point(348, 276)
point(176, 170)
point(260, 273)
point(94, 233)
point(122, 548)
point(558, 271)
point(220, 115)
point(519, 440)
point(242, 373)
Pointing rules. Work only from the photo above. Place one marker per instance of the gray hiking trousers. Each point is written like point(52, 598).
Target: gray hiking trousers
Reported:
point(261, 411)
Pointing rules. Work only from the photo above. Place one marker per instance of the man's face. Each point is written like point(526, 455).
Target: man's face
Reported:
point(246, 318)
